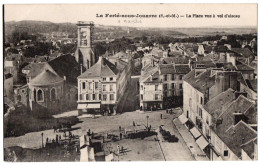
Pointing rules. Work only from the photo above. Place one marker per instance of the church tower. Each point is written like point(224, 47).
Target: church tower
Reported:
point(84, 53)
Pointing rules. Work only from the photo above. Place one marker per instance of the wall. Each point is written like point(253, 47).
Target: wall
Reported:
point(8, 88)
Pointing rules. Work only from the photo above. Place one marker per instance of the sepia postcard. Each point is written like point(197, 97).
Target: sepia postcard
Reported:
point(129, 82)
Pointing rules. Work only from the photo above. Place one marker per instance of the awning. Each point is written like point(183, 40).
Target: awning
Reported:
point(183, 119)
point(202, 142)
point(86, 106)
point(195, 132)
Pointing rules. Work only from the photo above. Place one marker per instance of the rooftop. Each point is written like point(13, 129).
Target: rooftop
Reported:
point(176, 60)
point(202, 82)
point(215, 105)
point(46, 77)
point(173, 69)
point(243, 67)
point(245, 52)
point(103, 68)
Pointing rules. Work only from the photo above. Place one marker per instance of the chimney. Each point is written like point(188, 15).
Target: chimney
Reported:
point(200, 68)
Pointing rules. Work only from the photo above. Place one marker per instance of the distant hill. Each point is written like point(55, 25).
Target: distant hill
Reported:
point(48, 27)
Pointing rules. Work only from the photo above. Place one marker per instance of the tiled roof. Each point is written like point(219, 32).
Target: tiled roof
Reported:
point(176, 60)
point(147, 72)
point(167, 69)
point(153, 78)
point(251, 114)
point(37, 68)
point(174, 69)
point(103, 68)
point(243, 67)
point(202, 82)
point(221, 49)
point(66, 65)
point(245, 52)
point(249, 147)
point(182, 69)
point(215, 105)
point(175, 53)
point(121, 65)
point(46, 77)
point(208, 64)
point(237, 135)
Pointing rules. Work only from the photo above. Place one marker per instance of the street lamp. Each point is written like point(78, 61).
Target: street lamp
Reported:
point(147, 117)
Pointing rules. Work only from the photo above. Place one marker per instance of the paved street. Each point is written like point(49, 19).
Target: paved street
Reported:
point(147, 149)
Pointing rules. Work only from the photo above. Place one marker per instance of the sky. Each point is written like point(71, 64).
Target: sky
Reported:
point(58, 13)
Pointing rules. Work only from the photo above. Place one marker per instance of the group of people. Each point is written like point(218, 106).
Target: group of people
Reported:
point(56, 140)
point(169, 111)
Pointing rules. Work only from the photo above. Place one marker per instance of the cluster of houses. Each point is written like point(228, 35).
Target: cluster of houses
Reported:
point(217, 85)
point(57, 82)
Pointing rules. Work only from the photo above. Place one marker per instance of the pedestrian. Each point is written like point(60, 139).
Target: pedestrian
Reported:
point(167, 111)
point(60, 137)
point(161, 116)
point(134, 123)
point(121, 136)
point(118, 149)
point(92, 135)
point(122, 150)
point(119, 128)
point(57, 139)
point(47, 139)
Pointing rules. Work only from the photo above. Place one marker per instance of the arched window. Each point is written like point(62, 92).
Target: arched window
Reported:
point(53, 94)
point(39, 95)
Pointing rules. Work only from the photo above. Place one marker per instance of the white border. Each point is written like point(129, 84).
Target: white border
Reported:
point(183, 163)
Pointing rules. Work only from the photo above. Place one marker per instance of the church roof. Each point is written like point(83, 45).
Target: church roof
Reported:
point(46, 77)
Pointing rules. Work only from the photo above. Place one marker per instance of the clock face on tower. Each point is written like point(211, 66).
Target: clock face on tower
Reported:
point(83, 36)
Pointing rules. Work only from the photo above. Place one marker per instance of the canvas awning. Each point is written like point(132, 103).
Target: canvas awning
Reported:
point(195, 132)
point(89, 106)
point(183, 119)
point(202, 142)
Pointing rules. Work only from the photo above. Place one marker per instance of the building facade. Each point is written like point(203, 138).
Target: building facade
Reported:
point(101, 87)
